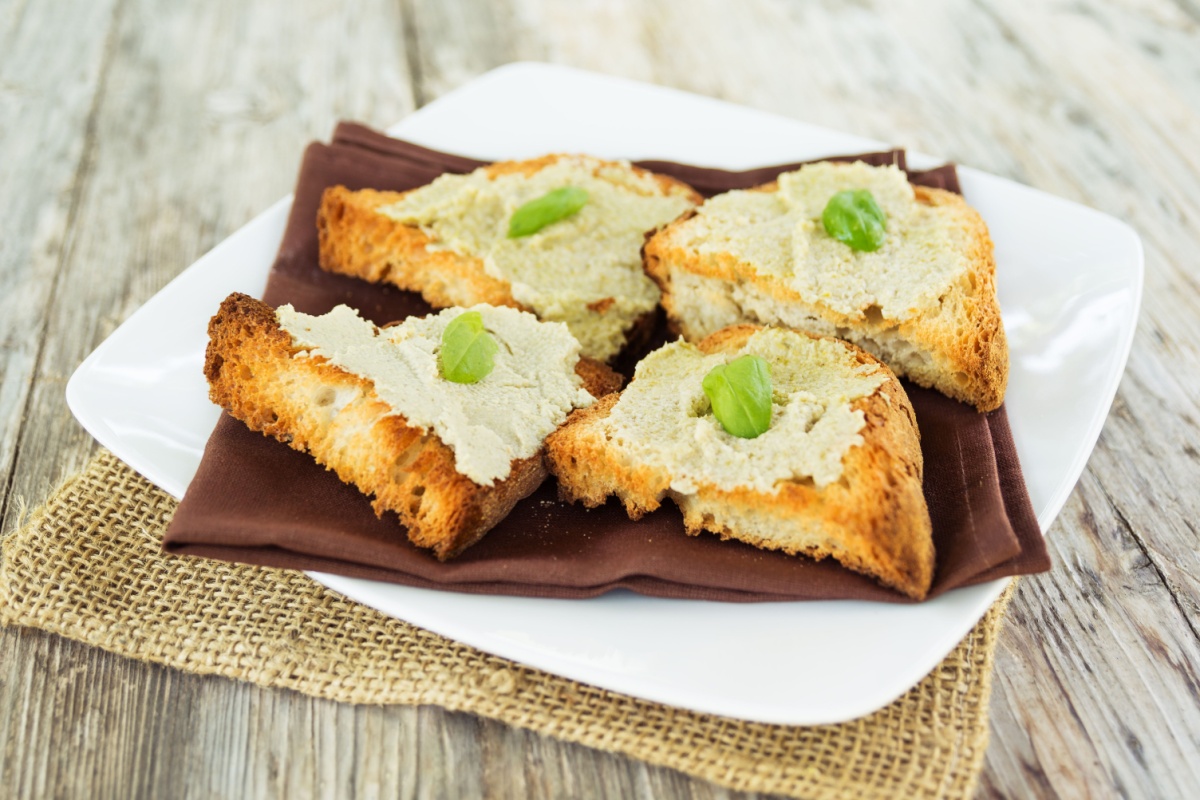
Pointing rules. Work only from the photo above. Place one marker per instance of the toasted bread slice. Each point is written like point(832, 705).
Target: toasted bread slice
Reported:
point(259, 375)
point(838, 473)
point(448, 240)
point(929, 312)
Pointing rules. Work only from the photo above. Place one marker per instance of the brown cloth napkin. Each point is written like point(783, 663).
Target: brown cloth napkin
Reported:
point(258, 501)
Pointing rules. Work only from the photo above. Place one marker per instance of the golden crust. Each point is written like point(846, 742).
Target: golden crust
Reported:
point(874, 520)
point(964, 337)
point(355, 239)
point(252, 375)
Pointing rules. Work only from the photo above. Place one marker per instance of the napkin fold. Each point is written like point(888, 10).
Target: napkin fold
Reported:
point(255, 500)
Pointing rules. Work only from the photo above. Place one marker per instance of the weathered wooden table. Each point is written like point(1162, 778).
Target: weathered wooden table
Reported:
point(136, 135)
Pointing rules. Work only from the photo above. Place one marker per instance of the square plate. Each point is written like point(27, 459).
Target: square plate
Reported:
point(1070, 283)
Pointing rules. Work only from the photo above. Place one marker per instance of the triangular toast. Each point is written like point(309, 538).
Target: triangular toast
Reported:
point(925, 302)
point(262, 375)
point(837, 474)
point(448, 240)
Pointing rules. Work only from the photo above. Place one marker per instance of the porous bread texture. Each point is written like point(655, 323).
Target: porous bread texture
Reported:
point(955, 344)
point(366, 234)
point(872, 519)
point(336, 417)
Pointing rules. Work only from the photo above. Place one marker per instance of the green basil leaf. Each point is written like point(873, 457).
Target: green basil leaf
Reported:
point(854, 218)
point(549, 208)
point(740, 393)
point(468, 351)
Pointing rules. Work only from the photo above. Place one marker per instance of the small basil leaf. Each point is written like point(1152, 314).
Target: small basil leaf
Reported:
point(854, 218)
point(468, 351)
point(740, 393)
point(549, 208)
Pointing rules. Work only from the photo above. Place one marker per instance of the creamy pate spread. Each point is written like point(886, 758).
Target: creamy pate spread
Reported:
point(584, 270)
point(504, 417)
point(664, 418)
point(780, 234)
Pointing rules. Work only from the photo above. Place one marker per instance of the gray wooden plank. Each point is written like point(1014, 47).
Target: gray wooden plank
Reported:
point(43, 149)
point(44, 152)
point(450, 43)
point(1097, 689)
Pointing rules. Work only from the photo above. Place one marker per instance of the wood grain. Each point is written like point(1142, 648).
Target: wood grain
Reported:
point(136, 135)
point(45, 156)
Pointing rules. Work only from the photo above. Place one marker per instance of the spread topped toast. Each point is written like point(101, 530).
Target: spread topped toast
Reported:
point(838, 472)
point(924, 302)
point(449, 240)
point(450, 459)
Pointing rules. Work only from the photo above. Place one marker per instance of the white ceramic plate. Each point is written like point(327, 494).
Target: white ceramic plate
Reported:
point(1070, 282)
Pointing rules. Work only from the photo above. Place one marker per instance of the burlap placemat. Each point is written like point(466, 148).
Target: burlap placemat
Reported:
point(87, 566)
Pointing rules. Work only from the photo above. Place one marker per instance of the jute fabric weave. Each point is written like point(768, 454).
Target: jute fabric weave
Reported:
point(87, 565)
